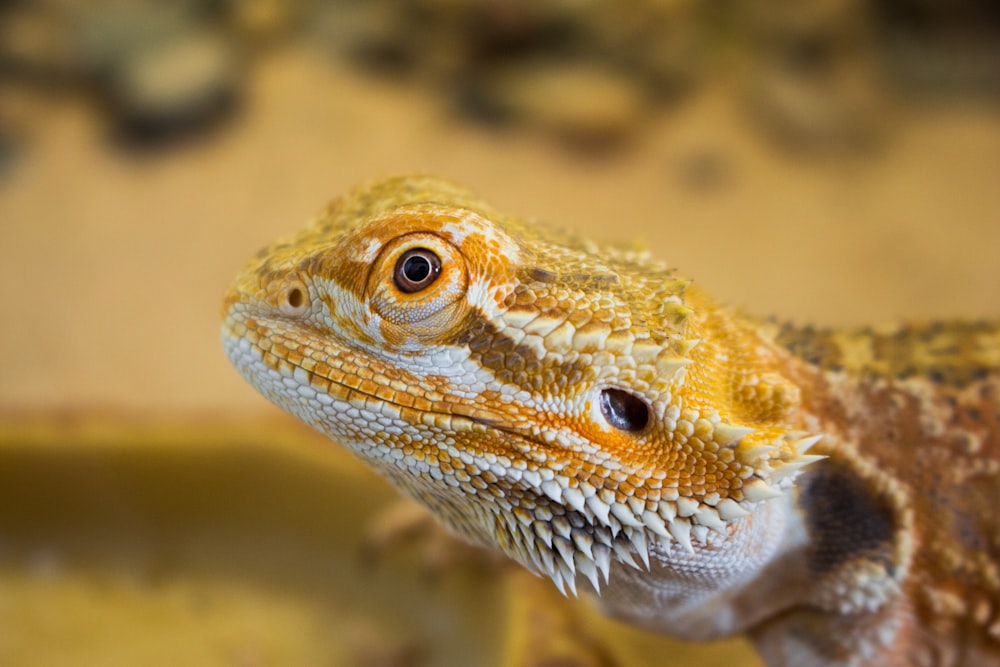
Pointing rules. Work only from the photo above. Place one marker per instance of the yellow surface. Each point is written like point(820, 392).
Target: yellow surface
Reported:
point(190, 542)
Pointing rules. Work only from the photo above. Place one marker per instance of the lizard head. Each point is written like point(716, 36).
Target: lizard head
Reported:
point(540, 393)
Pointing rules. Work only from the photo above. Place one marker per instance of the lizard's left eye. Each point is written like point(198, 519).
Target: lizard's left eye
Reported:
point(416, 270)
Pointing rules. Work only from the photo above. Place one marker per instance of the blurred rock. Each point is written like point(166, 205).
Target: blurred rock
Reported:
point(9, 150)
point(705, 170)
point(816, 73)
point(835, 109)
point(175, 86)
point(587, 106)
point(661, 42)
point(262, 22)
point(371, 646)
point(378, 35)
point(37, 45)
point(775, 22)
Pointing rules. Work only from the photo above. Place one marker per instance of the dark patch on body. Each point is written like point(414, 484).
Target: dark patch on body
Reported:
point(582, 281)
point(815, 346)
point(847, 520)
point(518, 364)
point(954, 354)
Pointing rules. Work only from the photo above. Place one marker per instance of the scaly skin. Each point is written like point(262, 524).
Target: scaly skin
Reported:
point(600, 420)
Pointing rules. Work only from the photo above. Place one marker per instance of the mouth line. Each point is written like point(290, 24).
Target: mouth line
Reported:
point(244, 353)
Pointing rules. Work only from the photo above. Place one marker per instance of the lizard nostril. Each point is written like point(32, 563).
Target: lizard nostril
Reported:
point(623, 410)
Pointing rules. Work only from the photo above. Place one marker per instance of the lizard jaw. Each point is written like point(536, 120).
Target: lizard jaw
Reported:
point(552, 523)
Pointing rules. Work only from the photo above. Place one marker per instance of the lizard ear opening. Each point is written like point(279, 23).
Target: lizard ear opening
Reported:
point(623, 410)
point(294, 300)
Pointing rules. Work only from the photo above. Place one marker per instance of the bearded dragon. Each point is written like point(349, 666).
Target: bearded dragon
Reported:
point(605, 423)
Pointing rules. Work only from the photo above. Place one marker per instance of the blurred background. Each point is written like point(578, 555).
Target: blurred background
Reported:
point(834, 162)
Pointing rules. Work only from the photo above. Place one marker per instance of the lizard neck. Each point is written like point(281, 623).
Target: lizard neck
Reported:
point(862, 541)
point(710, 593)
point(909, 417)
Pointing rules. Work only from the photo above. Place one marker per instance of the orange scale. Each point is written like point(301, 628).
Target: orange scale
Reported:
point(319, 383)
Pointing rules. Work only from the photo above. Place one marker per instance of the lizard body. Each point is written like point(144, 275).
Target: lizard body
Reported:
point(599, 419)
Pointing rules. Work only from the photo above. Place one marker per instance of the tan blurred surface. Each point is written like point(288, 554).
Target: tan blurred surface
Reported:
point(216, 542)
point(144, 535)
point(112, 267)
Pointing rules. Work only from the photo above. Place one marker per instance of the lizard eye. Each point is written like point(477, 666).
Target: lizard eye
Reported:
point(416, 270)
point(623, 410)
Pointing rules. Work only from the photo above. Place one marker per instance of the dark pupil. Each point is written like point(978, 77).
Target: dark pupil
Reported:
point(416, 268)
point(623, 410)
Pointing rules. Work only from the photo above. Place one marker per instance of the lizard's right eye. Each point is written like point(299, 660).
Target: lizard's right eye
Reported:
point(416, 270)
point(417, 283)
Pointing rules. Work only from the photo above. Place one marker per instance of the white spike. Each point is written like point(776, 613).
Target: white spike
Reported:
point(584, 543)
point(681, 531)
point(565, 549)
point(623, 555)
point(668, 366)
point(755, 453)
point(573, 498)
point(557, 578)
point(686, 507)
point(599, 508)
point(792, 468)
point(803, 445)
point(548, 560)
point(700, 533)
point(537, 559)
point(552, 489)
point(614, 525)
point(637, 505)
point(668, 510)
point(587, 568)
point(569, 576)
point(528, 548)
point(729, 435)
point(638, 539)
point(730, 510)
point(602, 559)
point(759, 490)
point(625, 515)
point(689, 344)
point(654, 522)
point(709, 518)
point(561, 526)
point(544, 532)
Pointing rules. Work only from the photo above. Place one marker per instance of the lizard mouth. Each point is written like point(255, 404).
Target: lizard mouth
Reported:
point(262, 351)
